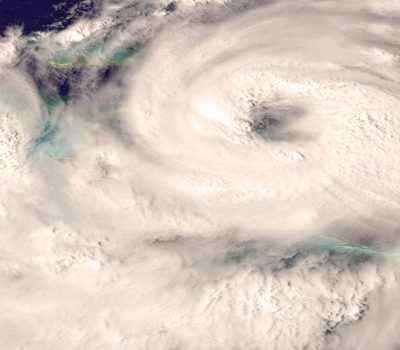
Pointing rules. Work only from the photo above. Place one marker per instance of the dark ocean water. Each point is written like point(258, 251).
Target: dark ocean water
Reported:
point(42, 15)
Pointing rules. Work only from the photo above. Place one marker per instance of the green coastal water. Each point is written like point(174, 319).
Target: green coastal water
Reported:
point(82, 55)
point(336, 251)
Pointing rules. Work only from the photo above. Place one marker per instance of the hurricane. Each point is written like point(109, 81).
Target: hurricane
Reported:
point(218, 174)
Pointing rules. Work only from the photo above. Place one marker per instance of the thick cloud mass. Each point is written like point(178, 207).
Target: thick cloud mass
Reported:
point(202, 175)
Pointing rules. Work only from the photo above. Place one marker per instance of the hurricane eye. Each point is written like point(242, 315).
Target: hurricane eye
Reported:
point(274, 122)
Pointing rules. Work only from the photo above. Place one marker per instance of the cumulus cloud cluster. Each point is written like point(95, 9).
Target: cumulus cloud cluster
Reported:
point(202, 175)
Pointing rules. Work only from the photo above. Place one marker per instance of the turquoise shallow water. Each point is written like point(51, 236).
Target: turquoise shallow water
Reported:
point(337, 247)
point(47, 135)
point(79, 56)
point(336, 252)
point(48, 142)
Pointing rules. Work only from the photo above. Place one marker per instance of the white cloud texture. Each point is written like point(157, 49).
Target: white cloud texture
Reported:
point(203, 175)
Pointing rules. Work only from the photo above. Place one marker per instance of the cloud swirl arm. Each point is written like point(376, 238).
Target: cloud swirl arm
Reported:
point(202, 175)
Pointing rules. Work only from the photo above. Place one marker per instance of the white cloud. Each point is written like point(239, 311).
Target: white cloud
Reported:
point(181, 202)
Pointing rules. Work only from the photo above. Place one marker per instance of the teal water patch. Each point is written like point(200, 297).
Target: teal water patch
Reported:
point(46, 135)
point(51, 100)
point(76, 56)
point(58, 150)
point(339, 249)
point(49, 142)
point(119, 57)
point(337, 246)
point(335, 251)
point(81, 55)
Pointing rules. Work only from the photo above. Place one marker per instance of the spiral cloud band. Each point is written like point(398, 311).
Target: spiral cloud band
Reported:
point(270, 114)
point(203, 175)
